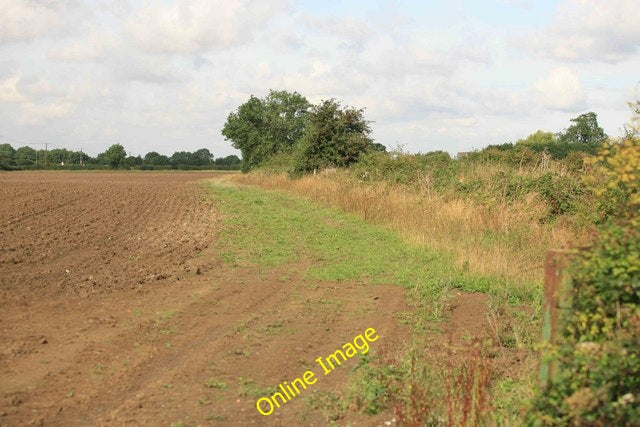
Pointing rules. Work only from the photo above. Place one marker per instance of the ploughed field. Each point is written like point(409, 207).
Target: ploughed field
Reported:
point(82, 233)
point(116, 307)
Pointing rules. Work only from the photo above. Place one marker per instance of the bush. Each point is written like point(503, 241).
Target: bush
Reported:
point(561, 193)
point(598, 354)
point(334, 136)
point(433, 170)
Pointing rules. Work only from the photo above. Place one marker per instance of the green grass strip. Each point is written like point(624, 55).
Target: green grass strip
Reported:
point(270, 229)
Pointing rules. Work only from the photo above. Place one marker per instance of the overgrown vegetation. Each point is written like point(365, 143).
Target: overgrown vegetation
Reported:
point(498, 210)
point(598, 355)
point(269, 230)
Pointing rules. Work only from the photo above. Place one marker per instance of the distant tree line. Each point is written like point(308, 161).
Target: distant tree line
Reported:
point(114, 157)
point(584, 135)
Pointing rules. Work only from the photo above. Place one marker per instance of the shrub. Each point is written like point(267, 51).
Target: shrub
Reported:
point(560, 192)
point(334, 136)
point(598, 354)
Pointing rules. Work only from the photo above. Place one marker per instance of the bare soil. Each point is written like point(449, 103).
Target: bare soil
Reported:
point(116, 309)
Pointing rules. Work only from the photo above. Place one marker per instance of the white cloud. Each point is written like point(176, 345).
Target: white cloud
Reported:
point(9, 91)
point(79, 51)
point(32, 114)
point(165, 74)
point(199, 25)
point(592, 30)
point(561, 90)
point(24, 20)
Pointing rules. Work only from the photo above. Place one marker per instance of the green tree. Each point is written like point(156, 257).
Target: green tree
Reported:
point(7, 156)
point(202, 157)
point(25, 156)
point(228, 160)
point(539, 138)
point(261, 128)
point(59, 155)
point(115, 156)
point(585, 130)
point(334, 137)
point(153, 158)
point(133, 161)
point(180, 158)
point(376, 146)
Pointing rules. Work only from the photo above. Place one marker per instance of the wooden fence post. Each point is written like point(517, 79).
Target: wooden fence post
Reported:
point(556, 307)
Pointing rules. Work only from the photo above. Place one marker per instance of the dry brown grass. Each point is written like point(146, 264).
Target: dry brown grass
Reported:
point(505, 240)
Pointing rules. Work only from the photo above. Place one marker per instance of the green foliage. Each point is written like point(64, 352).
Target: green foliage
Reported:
point(539, 138)
point(372, 386)
point(585, 130)
point(133, 161)
point(25, 156)
point(436, 168)
point(183, 159)
point(261, 128)
point(334, 137)
point(284, 131)
point(615, 178)
point(115, 156)
point(61, 158)
point(154, 158)
point(227, 161)
point(562, 193)
point(7, 156)
point(270, 230)
point(598, 355)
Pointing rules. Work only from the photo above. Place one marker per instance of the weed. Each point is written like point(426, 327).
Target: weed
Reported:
point(168, 315)
point(371, 385)
point(327, 401)
point(467, 388)
point(249, 388)
point(273, 328)
point(213, 383)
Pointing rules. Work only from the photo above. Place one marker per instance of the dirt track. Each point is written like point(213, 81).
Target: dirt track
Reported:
point(117, 309)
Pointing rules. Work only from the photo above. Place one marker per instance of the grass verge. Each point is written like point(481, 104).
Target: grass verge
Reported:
point(269, 230)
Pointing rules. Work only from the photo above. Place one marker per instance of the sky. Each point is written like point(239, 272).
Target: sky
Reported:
point(433, 75)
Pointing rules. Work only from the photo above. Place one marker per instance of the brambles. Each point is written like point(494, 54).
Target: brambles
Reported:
point(599, 353)
point(615, 178)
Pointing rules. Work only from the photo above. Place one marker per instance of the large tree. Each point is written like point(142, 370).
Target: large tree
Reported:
point(585, 130)
point(335, 136)
point(260, 128)
point(154, 158)
point(202, 157)
point(115, 156)
point(7, 156)
point(25, 156)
